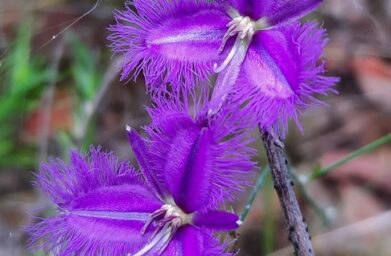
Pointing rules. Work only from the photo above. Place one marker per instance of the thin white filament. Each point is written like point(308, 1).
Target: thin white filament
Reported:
point(161, 239)
point(54, 37)
point(229, 58)
point(245, 30)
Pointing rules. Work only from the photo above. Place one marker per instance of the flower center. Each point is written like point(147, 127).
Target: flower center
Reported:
point(167, 220)
point(244, 28)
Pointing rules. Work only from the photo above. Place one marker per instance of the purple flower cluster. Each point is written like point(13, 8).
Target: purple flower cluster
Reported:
point(188, 168)
point(107, 208)
point(195, 157)
point(265, 58)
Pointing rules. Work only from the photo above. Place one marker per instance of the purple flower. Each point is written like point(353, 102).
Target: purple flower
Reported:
point(264, 56)
point(105, 208)
point(169, 41)
point(189, 167)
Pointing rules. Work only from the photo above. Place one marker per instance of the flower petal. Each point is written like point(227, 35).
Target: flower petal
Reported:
point(240, 5)
point(62, 182)
point(170, 41)
point(207, 245)
point(192, 177)
point(192, 241)
point(179, 168)
point(187, 241)
point(143, 156)
point(102, 207)
point(283, 11)
point(204, 162)
point(111, 213)
point(217, 220)
point(276, 11)
point(281, 74)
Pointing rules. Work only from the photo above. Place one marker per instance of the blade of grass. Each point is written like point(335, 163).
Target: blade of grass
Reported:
point(361, 151)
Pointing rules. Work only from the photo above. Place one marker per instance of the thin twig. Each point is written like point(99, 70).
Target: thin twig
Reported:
point(254, 192)
point(297, 228)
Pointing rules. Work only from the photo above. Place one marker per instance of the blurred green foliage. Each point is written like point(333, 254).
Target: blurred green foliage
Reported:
point(87, 76)
point(85, 71)
point(25, 77)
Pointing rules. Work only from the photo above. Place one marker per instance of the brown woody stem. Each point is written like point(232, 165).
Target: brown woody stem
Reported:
point(296, 226)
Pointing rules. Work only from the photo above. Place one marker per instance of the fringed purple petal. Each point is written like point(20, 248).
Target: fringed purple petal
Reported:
point(189, 176)
point(240, 5)
point(62, 182)
point(276, 11)
point(192, 241)
point(207, 246)
point(204, 162)
point(102, 206)
point(282, 74)
point(143, 156)
point(217, 220)
point(188, 236)
point(187, 241)
point(169, 41)
point(58, 236)
point(283, 11)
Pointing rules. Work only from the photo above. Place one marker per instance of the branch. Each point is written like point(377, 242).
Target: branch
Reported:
point(297, 228)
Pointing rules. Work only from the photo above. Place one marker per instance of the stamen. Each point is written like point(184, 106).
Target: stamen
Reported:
point(244, 28)
point(171, 234)
point(232, 30)
point(230, 56)
point(162, 237)
point(151, 218)
point(167, 220)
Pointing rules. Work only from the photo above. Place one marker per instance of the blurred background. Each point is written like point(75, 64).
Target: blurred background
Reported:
point(59, 89)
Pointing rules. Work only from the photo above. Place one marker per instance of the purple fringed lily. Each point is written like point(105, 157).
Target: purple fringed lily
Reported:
point(169, 41)
point(189, 167)
point(264, 56)
point(106, 208)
